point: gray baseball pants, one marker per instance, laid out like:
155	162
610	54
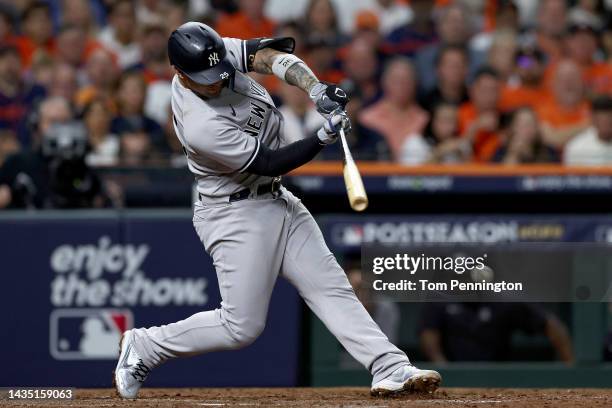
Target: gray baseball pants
251	242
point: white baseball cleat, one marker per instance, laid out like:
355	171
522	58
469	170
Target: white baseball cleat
407	379
131	371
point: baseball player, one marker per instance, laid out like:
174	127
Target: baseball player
252	227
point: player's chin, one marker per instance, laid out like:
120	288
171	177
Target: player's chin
208	91
211	91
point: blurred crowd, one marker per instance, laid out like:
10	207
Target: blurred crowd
445	81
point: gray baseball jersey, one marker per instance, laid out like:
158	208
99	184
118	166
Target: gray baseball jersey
222	135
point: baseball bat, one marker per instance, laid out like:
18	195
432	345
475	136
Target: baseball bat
352	179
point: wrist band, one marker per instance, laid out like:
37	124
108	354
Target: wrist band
283	62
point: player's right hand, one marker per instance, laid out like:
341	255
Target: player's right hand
328	98
329	131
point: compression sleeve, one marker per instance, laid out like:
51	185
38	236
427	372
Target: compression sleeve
274	163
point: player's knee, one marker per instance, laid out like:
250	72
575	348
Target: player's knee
244	326
248	333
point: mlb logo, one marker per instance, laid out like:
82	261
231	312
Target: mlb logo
350	235
87	334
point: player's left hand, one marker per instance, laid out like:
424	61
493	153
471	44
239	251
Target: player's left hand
329	131
328	98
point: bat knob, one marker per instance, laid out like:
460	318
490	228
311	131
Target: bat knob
360	204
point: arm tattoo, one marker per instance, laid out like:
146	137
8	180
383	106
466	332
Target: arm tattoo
262	63
298	74
302	77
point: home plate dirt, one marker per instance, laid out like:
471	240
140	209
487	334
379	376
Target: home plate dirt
331	397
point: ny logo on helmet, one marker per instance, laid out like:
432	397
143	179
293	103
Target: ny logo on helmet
213	59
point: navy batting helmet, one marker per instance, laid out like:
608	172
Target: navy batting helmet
198	51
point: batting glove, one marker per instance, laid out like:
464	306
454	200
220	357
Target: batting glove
328	98
329	131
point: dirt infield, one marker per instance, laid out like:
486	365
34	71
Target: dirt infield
332	397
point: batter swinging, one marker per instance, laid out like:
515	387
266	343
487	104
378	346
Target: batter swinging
252	227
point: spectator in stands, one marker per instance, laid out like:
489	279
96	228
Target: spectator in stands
479	118
582	46
361	66
104	144
551	25
301	119
589	12
52	110
507	15
566	113
7	25
175	14
408	39
451	75
37	32
440	143
505	19
397	114
73	46
150	12
120	34
366	144
524	142
454	29
248	22
65	82
483	331
41	71
367	29
17	97
79	13
323	38
526	87
157	72
321	22
225	6
100	75
593	146
502	53
140	136
392	14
